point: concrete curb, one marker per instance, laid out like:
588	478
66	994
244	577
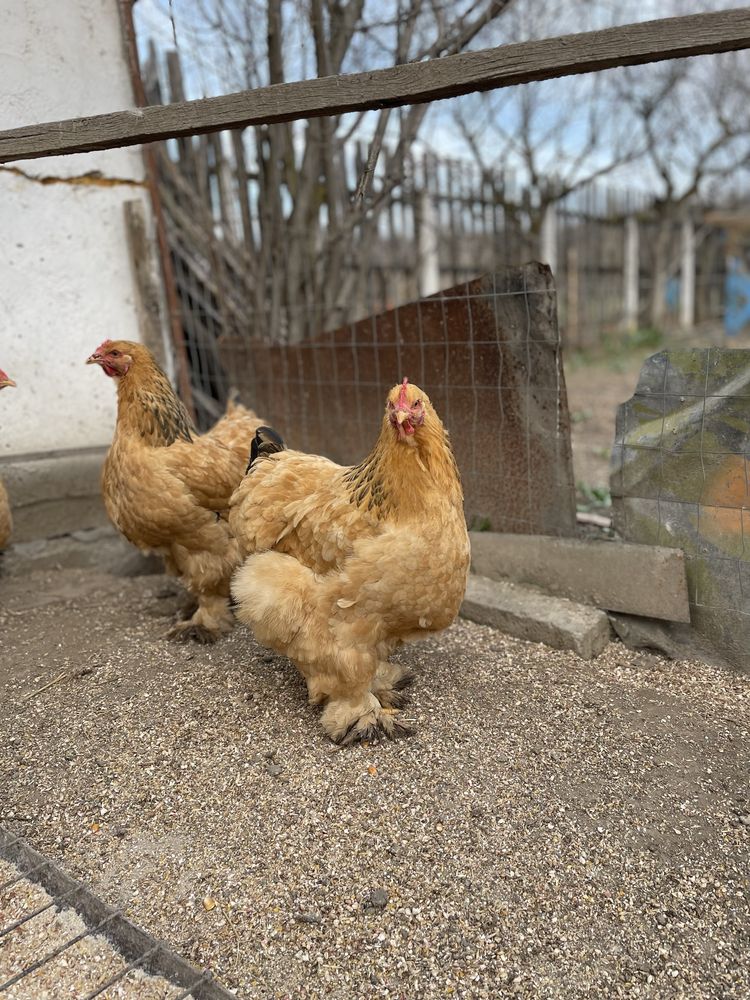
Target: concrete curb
529	613
645	580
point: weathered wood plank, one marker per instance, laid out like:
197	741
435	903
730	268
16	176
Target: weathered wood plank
411	83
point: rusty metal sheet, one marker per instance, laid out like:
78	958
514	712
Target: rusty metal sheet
488	354
680	478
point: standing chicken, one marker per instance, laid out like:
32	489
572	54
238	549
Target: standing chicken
165	486
345	564
6	521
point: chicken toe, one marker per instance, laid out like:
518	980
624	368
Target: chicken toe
389	684
350	722
209	621
186	631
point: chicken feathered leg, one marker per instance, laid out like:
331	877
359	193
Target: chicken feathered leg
340	649
344	564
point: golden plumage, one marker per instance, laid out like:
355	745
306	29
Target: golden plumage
6	519
344	564
165	486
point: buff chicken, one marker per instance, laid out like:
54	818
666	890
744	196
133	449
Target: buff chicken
167	488
342	565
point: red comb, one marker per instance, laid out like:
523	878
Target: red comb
402	401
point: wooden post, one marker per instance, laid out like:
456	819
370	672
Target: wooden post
687	284
548	249
630	275
408	83
429	246
182	362
572	321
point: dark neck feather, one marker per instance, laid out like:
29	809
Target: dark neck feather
148	407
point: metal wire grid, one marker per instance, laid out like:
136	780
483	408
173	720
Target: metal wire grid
487	353
139	950
688	448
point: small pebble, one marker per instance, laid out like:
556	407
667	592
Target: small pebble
377	899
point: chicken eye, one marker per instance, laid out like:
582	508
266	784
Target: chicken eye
418	403
114	354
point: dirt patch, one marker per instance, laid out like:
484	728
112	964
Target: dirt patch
555	828
595	390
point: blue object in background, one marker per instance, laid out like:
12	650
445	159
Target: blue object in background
737	298
672	294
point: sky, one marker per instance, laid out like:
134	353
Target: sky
561	126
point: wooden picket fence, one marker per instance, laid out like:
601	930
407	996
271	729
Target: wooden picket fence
442	221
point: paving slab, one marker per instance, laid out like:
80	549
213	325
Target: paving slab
677	640
645	580
54	494
102	548
529	613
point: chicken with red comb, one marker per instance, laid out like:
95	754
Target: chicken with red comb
6	520
167	488
343	565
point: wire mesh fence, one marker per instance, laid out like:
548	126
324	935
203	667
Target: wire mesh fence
487	352
58	938
268	245
681	478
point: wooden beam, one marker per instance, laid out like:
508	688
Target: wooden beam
728	219
412	83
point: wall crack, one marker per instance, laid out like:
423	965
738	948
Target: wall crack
94	178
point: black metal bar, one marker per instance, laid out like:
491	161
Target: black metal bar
131	941
11	841
35	913
12	881
205	978
122	973
58	951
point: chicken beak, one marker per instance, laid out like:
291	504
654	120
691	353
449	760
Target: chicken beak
402	415
95	359
7	382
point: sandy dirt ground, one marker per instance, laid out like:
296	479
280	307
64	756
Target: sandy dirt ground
79	969
554	829
595	389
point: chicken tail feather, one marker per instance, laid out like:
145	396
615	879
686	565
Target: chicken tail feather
266	442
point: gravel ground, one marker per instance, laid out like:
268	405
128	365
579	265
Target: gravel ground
555	828
78	970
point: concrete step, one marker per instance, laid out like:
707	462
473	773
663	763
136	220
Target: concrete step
645	580
529	613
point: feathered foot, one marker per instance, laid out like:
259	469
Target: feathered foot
346	722
210	621
187	605
190	630
389	684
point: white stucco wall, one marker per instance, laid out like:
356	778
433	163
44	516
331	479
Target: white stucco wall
66	281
